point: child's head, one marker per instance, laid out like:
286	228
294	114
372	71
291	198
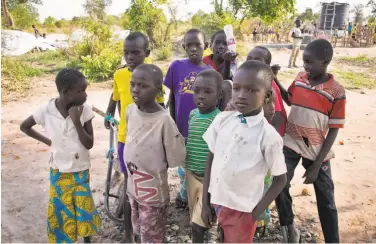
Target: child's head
298	23
207	90
317	56
219	44
261	54
146	83
136	49
33	26
251	86
269	107
194	45
71	85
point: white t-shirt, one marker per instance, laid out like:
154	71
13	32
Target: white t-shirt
67	154
243	153
298	33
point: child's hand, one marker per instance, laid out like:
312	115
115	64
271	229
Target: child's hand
230	56
207	215
230	106
312	173
75	113
275	68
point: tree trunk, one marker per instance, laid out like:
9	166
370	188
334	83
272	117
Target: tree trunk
6	13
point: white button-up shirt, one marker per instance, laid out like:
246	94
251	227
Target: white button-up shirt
244	149
67	154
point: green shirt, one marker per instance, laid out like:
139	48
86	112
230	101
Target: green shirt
197	149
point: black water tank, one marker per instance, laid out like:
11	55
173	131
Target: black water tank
340	18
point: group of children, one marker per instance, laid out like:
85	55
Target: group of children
226	135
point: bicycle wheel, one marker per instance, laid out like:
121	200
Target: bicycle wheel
119	202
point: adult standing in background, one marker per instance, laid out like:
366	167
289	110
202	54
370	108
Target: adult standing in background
296	43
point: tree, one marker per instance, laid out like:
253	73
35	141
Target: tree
266	10
8	5
358	12
309	16
24	15
96	8
146	16
372	4
49	21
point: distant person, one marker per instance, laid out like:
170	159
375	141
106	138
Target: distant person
349	29
67	121
354	32
318	104
153	145
296	43
254	33
44	35
179	79
36	32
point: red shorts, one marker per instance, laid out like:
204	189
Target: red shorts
238	227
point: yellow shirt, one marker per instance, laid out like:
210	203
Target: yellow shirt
122	93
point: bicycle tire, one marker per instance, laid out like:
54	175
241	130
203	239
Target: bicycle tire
119	202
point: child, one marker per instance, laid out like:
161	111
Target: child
153	145
279	120
223	61
179	79
207	89
296	43
243	147
67	121
320	100
254	33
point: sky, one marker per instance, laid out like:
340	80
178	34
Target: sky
67	9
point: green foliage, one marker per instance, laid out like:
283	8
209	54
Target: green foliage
96	8
164	52
147	17
24	15
212	23
309	16
112	20
356	80
49	21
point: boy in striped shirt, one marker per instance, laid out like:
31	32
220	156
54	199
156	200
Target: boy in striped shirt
207	90
317	112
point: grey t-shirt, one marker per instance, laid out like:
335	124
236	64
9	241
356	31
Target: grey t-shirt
153	145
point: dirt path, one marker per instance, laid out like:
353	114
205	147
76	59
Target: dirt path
25	173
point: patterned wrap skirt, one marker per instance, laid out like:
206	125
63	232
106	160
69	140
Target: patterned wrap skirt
71	208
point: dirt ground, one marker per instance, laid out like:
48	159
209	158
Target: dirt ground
25	181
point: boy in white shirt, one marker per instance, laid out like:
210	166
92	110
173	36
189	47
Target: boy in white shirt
67	122
297	39
243	147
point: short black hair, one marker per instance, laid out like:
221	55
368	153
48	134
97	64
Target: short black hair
212	73
322	49
135	35
67	78
195	31
154	71
268	54
261	67
215	34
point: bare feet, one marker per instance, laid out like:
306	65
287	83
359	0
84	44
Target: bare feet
295	66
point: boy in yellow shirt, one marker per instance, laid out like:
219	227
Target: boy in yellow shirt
136	49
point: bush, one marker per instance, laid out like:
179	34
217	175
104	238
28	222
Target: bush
15	72
164	52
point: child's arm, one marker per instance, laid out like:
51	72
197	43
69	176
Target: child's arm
174	144
85	132
284	93
26	127
169	83
171	105
207	214
278	120
312	172
227	94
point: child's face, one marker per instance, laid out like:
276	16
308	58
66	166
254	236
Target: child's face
256	54
194	46
312	64
249	91
143	87
135	53
269	108
205	94
219	45
77	94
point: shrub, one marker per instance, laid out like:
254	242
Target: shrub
164	52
